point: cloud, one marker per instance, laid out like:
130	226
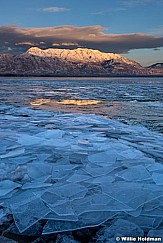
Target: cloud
134	3
55	9
110	10
139	3
66	44
28	43
128	4
71	37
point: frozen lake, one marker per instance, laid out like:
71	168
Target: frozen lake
130	100
64	165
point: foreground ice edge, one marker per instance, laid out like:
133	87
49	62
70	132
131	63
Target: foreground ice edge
77	170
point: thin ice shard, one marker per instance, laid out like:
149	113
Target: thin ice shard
52	198
30	185
7	186
63	209
55	217
143	222
157	234
158	178
13	153
49	134
85	220
68	190
135	173
78	178
101	179
58	142
131	154
155	167
38	170
103	158
28	214
131	194
64	167
28	140
96	171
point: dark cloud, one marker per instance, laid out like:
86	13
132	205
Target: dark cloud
17	40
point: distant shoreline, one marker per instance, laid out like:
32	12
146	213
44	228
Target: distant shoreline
81	76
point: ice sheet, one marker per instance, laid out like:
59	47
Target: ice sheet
77	170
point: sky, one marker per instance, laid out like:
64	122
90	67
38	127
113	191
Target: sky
132	28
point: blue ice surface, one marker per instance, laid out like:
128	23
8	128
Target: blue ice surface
76	174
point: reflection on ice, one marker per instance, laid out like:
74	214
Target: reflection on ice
39	102
79	173
79	102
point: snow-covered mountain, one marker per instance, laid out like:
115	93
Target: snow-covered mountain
83	55
64	62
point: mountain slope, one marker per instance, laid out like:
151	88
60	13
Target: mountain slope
158	65
78	62
79	55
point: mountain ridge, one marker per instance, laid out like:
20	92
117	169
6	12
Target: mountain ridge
78	55
77	62
156	65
